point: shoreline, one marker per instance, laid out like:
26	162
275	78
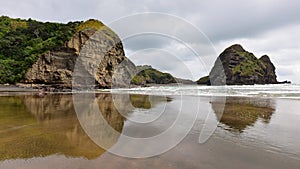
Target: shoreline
33	86
276	92
16	88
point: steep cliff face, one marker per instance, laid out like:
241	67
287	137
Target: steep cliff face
236	66
105	53
269	69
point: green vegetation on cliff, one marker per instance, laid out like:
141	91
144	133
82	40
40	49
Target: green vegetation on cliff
249	66
92	23
204	80
23	41
149	75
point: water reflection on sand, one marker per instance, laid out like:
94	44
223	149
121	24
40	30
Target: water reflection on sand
240	113
33	126
44	133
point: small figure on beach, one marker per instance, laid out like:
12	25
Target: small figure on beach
44	91
41	93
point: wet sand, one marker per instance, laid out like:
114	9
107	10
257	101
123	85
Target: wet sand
215	154
252	133
16	88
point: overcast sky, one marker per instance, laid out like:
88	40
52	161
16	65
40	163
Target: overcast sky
269	27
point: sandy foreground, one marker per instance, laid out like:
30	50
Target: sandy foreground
215	154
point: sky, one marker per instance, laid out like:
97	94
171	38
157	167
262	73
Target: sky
269	27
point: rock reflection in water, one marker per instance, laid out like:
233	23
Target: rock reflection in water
111	106
140	101
32	126
146	101
239	113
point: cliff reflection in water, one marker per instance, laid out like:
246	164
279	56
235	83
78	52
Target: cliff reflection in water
32	126
240	113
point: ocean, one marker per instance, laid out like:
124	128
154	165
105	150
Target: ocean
291	91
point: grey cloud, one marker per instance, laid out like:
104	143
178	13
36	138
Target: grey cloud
219	19
145	41
187	51
224	20
252	23
284	71
162	60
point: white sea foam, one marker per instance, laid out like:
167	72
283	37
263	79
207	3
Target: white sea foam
273	90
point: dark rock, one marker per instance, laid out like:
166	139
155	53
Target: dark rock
285	82
236	66
269	70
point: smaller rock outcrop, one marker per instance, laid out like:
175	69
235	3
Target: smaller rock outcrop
236	66
203	81
148	75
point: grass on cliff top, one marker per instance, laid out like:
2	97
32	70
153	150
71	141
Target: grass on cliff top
249	66
23	41
92	23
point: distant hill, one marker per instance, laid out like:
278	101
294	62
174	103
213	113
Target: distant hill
149	75
236	66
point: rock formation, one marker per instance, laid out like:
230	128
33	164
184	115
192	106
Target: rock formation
148	75
236	66
269	70
103	50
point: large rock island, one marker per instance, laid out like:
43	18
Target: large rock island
34	52
236	66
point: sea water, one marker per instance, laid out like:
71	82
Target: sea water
268	91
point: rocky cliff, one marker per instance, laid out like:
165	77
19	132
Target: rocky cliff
105	53
236	66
